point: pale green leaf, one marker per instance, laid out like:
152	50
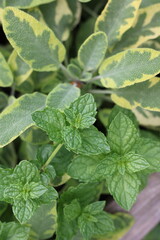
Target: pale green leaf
32	40
51	121
62	96
129	67
72	138
122	134
6	77
26	3
146	3
92	51
36	190
116	18
124	189
16	118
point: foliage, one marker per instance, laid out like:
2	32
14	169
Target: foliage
77	81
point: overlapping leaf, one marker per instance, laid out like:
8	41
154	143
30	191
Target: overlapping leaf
26	3
6	77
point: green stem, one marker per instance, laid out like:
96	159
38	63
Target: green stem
96	91
52	156
90	11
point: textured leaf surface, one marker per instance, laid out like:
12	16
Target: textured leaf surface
16	118
51	121
72	138
92	51
124	189
20	69
146	27
144	95
35	43
122	134
6	77
72	210
116	18
62	96
26	3
129	67
146	3
43	227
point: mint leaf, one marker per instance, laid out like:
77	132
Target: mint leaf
81	113
23	210
93	142
26	172
124	188
72	210
49	196
94	222
51	121
135	162
84	168
72	138
36	190
122	134
14	191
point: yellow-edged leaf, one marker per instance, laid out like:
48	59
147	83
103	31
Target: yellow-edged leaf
146	27
145	95
116	18
6	77
26	3
16	118
129	67
21	70
36	44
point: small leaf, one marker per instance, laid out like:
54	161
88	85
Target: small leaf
129	67
122	134
72	138
16	118
92	51
23	210
82	112
72	210
124	189
6	77
25	33
51	121
62	96
36	190
116	18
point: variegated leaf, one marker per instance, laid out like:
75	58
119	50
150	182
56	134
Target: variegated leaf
21	70
129	67
116	18
92	51
26	3
146	27
16	118
145	95
6	77
146	3
32	40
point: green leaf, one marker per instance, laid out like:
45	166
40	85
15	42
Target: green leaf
119	70
3	100
124	189
6	77
146	27
72	138
72	210
122	134
51	121
24	33
26	3
16	118
36	190
150	150
85	168
49	196
21	70
95	222
62	96
14	231
81	112
144	95
23	210
117	18
146	3
43	227
92	51
14	191
26	172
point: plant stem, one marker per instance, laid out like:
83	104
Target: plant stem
52	156
89	11
96	91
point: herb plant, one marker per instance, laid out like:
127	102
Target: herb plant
78	79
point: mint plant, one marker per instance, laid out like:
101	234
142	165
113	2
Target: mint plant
78	80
